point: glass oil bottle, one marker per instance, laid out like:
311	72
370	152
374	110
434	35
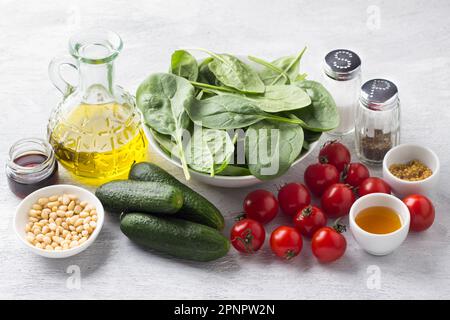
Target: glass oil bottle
96	130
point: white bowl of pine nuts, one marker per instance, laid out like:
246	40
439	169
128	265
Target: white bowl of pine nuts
59	221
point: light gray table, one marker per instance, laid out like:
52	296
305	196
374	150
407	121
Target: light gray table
407	42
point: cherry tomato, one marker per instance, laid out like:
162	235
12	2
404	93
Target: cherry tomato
247	235
309	220
318	177
337	200
293	197
421	210
373	185
261	205
286	242
355	173
335	153
328	244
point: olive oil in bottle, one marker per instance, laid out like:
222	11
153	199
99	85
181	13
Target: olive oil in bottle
96	130
99	143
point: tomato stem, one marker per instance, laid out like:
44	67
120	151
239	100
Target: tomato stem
344	172
289	254
306	212
329	142
247	241
340	228
240	216
323	159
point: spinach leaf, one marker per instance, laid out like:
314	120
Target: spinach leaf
270	66
321	114
280	98
234	73
211	88
311	136
290	66
183	64
301	77
306	145
275	99
233	170
229	111
165	142
271	148
163	98
209	150
204	74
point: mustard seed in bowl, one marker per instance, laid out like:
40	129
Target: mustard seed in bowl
413	170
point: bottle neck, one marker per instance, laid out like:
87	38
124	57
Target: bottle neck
96	82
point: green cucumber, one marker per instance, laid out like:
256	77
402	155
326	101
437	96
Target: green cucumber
126	195
195	207
176	237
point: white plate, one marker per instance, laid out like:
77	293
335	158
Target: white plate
219	181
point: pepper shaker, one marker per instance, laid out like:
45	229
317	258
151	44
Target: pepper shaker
342	78
377	125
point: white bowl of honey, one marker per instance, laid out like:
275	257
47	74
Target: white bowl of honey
379	223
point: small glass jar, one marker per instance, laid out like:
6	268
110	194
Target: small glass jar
377	125
31	165
342	78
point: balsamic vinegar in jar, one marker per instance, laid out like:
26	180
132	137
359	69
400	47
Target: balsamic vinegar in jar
31	166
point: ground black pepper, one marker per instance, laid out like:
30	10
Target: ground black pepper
376	147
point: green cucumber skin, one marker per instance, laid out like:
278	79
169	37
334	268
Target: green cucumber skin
177	237
125	195
195	208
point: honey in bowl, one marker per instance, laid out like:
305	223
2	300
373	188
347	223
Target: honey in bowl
378	220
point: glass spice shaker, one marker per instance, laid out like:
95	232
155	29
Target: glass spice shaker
31	165
377	125
342	78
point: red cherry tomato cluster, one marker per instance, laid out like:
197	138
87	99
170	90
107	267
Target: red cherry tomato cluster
294	199
337	181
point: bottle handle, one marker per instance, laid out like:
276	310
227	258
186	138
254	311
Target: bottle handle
54	72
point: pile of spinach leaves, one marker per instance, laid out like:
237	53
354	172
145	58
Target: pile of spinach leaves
241	111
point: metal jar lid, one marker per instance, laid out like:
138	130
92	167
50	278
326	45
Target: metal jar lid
379	95
342	64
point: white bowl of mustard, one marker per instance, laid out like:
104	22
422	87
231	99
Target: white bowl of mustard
376	243
403	154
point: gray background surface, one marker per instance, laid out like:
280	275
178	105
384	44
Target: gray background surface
407	42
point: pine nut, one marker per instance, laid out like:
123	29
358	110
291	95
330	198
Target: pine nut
43	201
65	200
60	222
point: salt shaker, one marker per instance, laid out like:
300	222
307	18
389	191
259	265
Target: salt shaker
377	125
342	78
